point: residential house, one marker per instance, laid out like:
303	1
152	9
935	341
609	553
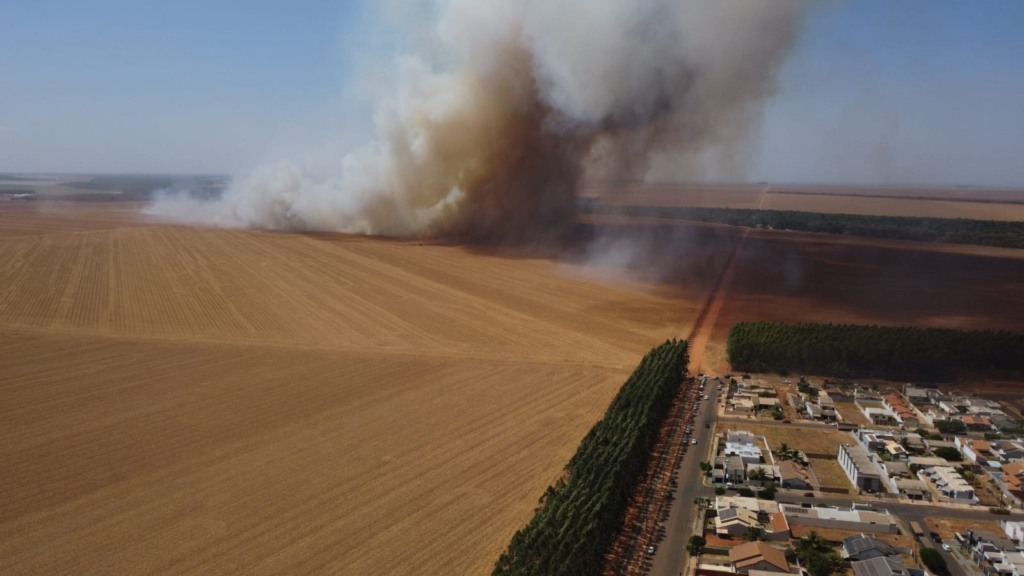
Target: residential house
976	423
1009	449
975	451
771	474
793	475
735	522
918	462
936	444
748	453
1002	563
982	543
735	470
1012	479
740	437
914	443
757	556
916	395
949	483
862	547
1014	530
905	415
913	489
896	469
879	566
1003	422
860	468
862	520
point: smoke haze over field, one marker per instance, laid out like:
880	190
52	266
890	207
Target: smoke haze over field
509	104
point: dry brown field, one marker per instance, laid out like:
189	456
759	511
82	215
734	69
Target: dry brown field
188	401
895	206
851	414
812	440
830	474
972	203
947	527
836	535
670	195
789	276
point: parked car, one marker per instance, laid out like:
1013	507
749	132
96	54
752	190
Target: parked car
650	550
809	494
947	548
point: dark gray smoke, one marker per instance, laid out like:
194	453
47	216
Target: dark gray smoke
488	138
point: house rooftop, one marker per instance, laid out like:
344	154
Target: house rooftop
880	566
751	553
853	545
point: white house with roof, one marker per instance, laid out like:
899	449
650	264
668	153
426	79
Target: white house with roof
949	483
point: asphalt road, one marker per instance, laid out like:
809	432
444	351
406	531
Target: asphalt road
670	557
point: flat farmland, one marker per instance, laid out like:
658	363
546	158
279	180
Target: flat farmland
927	207
190	401
790	277
972	203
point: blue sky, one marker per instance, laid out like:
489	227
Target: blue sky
915	91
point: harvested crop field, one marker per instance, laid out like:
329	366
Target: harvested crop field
192	401
789	276
894	206
978	204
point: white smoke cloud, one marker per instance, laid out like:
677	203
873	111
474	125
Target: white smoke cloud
505	104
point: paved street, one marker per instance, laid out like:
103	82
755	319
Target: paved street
670	558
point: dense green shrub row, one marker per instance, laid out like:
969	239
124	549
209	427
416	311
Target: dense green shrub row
853	351
952	230
580	516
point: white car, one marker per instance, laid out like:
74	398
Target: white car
694	441
946	547
650	549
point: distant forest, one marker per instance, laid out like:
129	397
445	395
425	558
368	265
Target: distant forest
581	514
857	351
951	230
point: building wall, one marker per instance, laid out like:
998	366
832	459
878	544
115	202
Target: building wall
867	482
843	525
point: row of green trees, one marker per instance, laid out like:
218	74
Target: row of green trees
952	230
581	514
859	351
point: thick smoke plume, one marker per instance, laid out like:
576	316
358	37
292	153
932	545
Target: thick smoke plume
489	134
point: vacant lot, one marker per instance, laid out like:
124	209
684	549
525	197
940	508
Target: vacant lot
851	413
812	440
836	536
830	474
947	527
196	401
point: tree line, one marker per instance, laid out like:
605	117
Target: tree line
950	230
860	351
580	515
